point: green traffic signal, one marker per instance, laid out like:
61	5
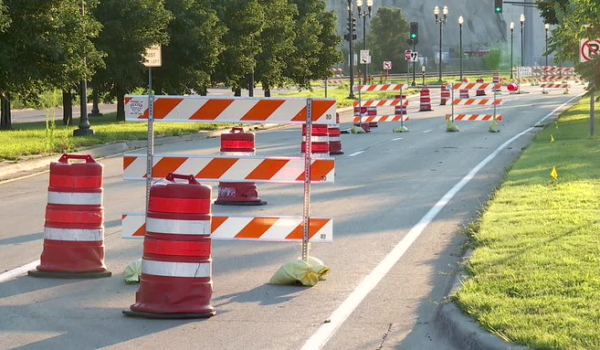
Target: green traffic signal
498	9
413	35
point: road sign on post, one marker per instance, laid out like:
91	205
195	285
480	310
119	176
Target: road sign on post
364	57
387	65
407	54
153	56
414	56
588	49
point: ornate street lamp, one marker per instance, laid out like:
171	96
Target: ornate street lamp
440	20
84	123
364	15
512	35
351	48
522	18
460	25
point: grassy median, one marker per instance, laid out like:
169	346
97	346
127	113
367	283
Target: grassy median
46	138
534	277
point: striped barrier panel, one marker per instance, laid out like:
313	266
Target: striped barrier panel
229	110
230	169
270	229
558	69
380	118
476	86
477	117
382	87
476	102
379	103
555	86
337	76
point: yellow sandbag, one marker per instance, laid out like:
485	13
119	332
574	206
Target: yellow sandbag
300	272
133	272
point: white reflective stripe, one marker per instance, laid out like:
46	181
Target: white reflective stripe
335	139
175	269
76	235
238	154
317	138
75	198
178	227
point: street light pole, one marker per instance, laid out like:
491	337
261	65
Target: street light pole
364	14
546	27
522	39
84	123
512	35
440	20
460	25
351	95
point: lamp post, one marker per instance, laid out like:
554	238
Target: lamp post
460	25
440	20
546	27
84	123
512	35
364	15
351	48
522	19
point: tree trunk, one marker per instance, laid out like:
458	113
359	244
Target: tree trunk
5	117
267	91
203	91
237	92
67	101
120	104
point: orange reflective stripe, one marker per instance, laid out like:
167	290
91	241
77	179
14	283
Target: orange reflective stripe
127	161
216	168
256	228
267	169
211	109
314	226
162	107
166	166
263	109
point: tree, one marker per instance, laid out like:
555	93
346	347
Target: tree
388	36
244	20
191	56
548	9
277	44
129	28
37	51
316	43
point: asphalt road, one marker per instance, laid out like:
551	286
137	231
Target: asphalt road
398	204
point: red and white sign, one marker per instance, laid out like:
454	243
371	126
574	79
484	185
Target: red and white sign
588	49
387	65
407	54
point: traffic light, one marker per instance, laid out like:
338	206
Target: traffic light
351	29
498	6
414	32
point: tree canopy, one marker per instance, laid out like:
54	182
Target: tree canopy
387	37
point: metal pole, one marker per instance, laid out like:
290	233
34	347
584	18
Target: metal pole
307	165
150	150
351	95
414	65
522	45
84	123
251	85
365	45
326	79
440	63
592	111
461	51
512	34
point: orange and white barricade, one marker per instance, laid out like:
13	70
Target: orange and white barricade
369	111
74	226
450	118
223	168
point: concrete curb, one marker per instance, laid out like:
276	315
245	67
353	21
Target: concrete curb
38	164
462	330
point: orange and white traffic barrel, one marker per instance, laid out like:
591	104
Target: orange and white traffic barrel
74	226
401	109
425	100
480	92
445	95
372	112
319	140
464	93
335	137
237	143
176	279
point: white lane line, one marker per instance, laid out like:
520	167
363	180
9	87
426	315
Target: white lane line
396	139
426	131
18	271
319	339
355	153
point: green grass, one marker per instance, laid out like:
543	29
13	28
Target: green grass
39	138
534	277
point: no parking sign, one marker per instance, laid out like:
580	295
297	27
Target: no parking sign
588	49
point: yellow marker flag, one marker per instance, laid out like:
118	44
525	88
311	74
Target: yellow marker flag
551	138
554	174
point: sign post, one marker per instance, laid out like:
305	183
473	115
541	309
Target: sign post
152	58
